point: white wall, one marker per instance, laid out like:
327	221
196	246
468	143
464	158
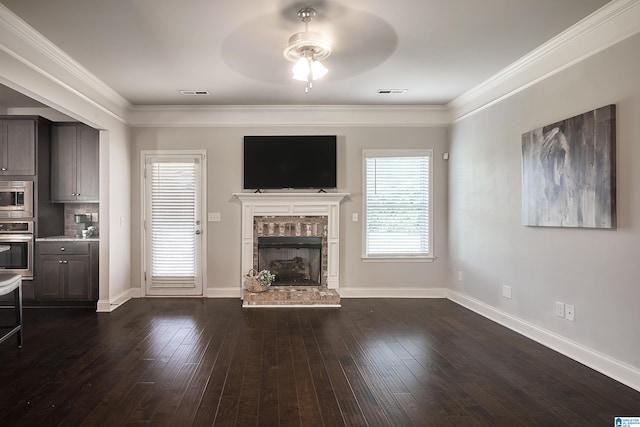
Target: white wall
224	147
598	271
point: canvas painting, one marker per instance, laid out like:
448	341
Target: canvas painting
568	172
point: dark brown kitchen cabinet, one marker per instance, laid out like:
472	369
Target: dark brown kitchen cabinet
66	271
75	163
17	146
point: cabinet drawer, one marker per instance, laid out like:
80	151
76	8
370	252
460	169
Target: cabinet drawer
62	248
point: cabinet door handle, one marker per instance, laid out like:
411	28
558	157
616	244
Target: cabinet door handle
62	248
3	169
60	262
65	262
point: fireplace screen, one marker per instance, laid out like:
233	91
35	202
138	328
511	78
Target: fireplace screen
296	261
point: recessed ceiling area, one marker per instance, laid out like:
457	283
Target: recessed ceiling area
150	50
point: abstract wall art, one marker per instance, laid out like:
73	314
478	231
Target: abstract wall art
569	173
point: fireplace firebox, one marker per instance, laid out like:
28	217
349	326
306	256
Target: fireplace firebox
296	261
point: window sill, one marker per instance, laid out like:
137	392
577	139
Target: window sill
398	259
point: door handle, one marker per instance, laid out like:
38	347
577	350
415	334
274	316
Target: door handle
198	232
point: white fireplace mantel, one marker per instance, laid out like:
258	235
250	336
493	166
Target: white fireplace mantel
294	204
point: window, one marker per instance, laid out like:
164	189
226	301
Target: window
397	203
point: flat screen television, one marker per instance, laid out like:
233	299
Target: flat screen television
290	161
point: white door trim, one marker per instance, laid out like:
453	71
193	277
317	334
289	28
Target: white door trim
144	154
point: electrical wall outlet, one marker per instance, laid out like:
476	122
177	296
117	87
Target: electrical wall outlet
570	312
559	309
506	291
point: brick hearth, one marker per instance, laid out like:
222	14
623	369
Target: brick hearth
279	296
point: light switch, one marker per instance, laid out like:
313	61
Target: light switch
214	217
354	217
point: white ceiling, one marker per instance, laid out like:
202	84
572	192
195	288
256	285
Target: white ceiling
149	50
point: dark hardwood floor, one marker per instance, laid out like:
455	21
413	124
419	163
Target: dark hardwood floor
375	362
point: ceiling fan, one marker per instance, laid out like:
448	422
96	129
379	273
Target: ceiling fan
307	49
349	41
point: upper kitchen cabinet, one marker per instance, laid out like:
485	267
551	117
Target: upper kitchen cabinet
18	137
75	163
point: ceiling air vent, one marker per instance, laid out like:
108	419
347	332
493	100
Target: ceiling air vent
194	92
392	91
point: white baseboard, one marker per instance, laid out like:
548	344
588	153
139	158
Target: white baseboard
234	292
103	307
115	302
391	292
602	363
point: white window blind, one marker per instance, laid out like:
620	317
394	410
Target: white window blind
397	198
173	222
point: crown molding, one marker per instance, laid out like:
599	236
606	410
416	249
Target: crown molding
614	22
24	43
290	115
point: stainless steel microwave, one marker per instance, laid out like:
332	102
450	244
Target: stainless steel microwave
16	199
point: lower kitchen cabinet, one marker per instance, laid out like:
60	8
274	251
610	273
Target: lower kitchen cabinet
66	271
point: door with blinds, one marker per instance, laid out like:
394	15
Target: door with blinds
173	225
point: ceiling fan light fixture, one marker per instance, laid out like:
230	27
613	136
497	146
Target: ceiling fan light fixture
307	69
301	69
307	49
318	70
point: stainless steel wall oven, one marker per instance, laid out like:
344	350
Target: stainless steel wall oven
16	247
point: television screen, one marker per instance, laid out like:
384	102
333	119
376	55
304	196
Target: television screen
302	161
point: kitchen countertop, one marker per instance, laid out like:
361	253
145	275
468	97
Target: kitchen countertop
67	239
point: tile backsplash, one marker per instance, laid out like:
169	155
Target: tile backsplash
71	209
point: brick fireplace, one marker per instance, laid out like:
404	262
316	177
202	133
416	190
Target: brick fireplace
303	223
294	248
